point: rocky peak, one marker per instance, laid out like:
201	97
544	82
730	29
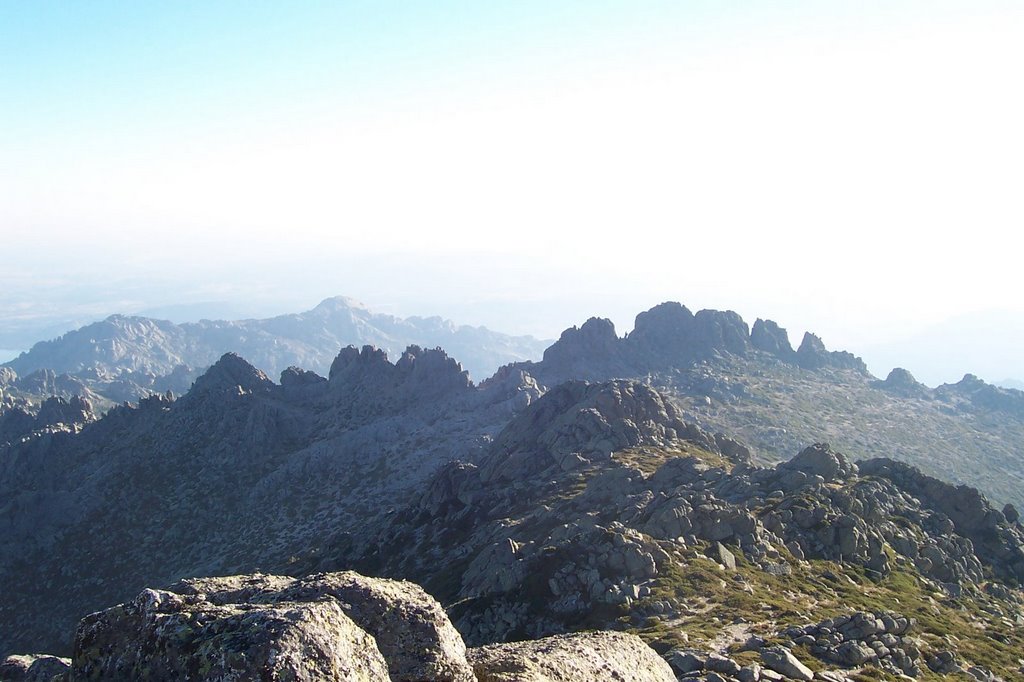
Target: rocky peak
338	303
419	373
296	376
821	460
577	422
42	381
664	332
57	410
594	341
985	396
513	386
431	370
718	330
353	360
231	374
901	382
771	338
812	354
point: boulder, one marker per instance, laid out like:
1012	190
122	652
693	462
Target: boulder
567	658
782	661
821	460
411	629
165	636
685	661
719	553
34	668
722	664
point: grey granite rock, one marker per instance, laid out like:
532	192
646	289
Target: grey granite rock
568	658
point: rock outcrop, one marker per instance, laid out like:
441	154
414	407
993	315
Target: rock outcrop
418	374
341	626
821	460
993	537
591	351
568	658
669	338
231	374
34	668
771	338
882	639
812	354
54	414
902	383
983	396
165	636
663	336
576	423
539	558
410	628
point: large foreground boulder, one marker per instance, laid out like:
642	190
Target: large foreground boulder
408	625
165	636
566	658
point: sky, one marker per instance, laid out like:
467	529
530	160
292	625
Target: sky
850	168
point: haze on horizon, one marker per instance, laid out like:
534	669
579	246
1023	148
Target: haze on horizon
850	170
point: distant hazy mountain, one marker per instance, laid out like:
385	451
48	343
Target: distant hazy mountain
131	345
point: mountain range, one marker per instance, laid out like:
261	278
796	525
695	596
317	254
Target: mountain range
128	357
674	482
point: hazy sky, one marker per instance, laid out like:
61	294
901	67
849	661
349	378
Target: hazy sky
854	168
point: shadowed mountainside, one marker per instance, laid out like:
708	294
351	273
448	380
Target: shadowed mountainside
238	474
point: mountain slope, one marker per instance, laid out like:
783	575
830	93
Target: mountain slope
592	505
530	508
750	382
238	474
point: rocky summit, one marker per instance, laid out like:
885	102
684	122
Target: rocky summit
694	501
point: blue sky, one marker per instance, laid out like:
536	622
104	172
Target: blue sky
851	168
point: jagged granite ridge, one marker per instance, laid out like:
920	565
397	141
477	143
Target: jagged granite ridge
750	382
239	473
